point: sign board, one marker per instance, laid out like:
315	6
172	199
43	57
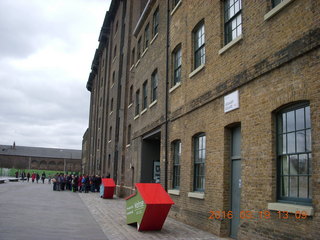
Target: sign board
135	209
231	101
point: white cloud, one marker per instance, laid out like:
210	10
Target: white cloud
46	52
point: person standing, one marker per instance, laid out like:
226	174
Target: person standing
23	175
28	176
33	177
37	177
43	177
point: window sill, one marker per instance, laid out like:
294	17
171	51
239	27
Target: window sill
128	145
136	117
198	69
109	141
176	7
230	44
130	105
174	87
153	103
144	52
276	9
198	195
131	67
290	208
137	63
174	192
110	113
143	111
154	38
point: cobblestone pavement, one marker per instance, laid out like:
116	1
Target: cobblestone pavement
110	215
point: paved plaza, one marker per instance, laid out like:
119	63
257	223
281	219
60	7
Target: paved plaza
34	211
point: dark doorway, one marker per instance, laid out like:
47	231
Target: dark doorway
235	179
150	158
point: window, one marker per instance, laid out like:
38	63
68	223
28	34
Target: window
155	22
113	77
177	65
116	30
110	133
139	49
145	95
154	86
111	105
129	135
176	146
199	45
115	51
131	95
232	19
146	37
294	154
276	2
199	144
137	102
132	56
175	3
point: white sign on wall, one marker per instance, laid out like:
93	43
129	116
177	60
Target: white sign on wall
231	101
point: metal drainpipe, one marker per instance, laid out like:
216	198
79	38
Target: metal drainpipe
167	99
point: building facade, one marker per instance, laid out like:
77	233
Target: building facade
22	157
219	102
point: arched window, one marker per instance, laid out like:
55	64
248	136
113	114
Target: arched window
294	153
199	148
176	155
199	45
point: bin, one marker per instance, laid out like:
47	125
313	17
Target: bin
107	188
148	207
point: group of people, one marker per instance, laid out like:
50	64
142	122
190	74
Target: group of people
82	183
34	176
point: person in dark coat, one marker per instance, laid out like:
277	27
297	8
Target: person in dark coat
43	177
37	177
28	176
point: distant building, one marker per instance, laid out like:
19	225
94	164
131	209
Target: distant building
21	157
219	102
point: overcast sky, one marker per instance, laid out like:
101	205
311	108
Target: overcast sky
46	51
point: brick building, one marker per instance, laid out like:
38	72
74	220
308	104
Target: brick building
55	159
218	101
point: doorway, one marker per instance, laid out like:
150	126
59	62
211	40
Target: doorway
150	158
236	183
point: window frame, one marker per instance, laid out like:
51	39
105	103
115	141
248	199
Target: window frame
111	105
129	134
199	60
176	163
131	94
229	20
139	49
175	3
155	22
154	85
137	106
275	3
133	56
145	95
289	155
198	164
146	37
110	133
175	66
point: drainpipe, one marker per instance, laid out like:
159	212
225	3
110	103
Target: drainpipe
167	99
